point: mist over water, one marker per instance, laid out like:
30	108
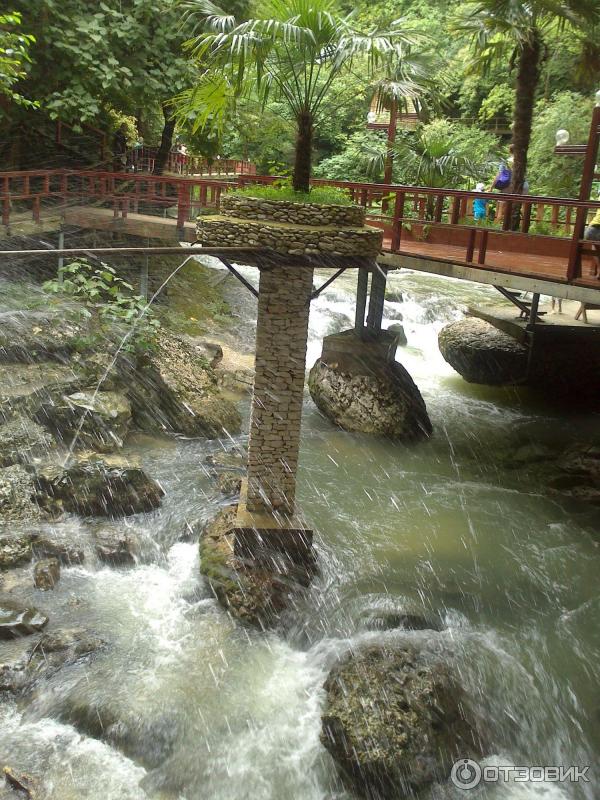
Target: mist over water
195	706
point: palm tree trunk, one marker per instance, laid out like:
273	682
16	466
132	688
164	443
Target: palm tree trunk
166	142
303	159
528	76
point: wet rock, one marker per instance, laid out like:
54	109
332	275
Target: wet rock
398	329
527	454
148	739
255	593
28	336
233	459
25	661
100	488
211	352
394	722
394	295
577	475
22	440
46	574
77	640
229	483
56	545
385	402
382	620
22	785
18	495
116	547
15	655
99	420
15	549
177	390
483	354
25	387
18	620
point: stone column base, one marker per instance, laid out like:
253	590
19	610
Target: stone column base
265	536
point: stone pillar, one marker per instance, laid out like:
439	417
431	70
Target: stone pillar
281	335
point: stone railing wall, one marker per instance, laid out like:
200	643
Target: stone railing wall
297	241
292	213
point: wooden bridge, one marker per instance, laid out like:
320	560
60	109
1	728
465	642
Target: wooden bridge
425	229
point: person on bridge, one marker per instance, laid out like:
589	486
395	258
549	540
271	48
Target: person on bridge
480	204
592	234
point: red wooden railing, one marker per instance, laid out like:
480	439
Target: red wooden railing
427	223
142	159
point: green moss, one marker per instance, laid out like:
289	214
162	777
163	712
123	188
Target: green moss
193	302
321	195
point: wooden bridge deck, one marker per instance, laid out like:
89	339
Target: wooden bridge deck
429	229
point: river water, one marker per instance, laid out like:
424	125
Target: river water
202	708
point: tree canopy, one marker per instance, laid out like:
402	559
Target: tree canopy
246	87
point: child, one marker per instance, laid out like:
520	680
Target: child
480	204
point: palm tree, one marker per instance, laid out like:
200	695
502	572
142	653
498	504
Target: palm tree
514	30
294	50
432	155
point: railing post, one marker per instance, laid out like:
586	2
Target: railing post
471	245
483	247
397	222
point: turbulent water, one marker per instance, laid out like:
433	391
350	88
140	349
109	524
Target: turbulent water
204	708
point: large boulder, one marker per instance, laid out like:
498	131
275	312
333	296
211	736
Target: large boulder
176	389
22	440
17	495
483	354
18	620
382	399
99	420
106	487
394	721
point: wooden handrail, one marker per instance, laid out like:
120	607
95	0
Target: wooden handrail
125	192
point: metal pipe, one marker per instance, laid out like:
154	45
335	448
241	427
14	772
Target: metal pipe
159	251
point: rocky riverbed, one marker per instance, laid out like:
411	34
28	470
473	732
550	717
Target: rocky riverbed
454	604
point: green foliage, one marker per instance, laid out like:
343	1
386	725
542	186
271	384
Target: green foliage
558	176
293	51
499	102
283	190
106	300
14	57
351	164
442	153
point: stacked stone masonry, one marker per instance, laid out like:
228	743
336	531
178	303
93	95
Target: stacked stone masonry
218	231
254	208
282	329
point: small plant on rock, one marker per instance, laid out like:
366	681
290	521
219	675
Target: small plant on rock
106	301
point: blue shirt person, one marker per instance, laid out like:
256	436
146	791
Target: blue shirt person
480	204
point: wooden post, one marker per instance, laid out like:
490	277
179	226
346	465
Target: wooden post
361	301
589	168
376	300
397	225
